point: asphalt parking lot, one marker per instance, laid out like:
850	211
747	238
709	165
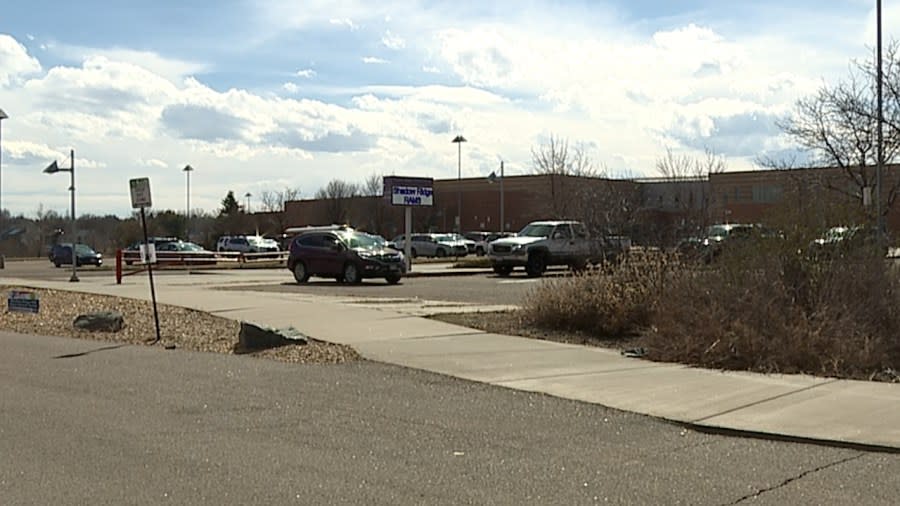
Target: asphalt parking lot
480	288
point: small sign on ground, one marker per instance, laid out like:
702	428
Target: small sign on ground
21	301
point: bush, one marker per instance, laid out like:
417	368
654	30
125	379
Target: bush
770	308
767	307
613	300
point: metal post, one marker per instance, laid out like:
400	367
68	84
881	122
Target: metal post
502	217
879	163
459	188
74	277
187	208
407	243
458	140
3	116
150	273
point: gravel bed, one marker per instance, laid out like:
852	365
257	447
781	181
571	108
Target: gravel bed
179	327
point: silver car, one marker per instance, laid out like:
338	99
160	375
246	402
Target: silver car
432	245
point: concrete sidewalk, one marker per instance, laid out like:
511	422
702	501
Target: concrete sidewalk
791	406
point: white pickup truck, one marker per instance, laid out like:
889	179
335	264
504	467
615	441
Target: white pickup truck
544	243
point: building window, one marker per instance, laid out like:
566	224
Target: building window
763	194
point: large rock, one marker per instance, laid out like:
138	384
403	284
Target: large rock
101	321
254	337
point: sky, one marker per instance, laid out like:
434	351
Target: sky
262	95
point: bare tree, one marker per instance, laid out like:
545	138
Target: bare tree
273	201
373	185
838	126
337	194
555	159
688	186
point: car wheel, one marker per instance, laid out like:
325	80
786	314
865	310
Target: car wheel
57	264
536	265
503	270
351	274
392	279
412	253
440	253
300	272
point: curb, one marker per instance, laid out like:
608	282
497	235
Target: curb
448	273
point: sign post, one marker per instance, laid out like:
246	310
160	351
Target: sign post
140	198
409	192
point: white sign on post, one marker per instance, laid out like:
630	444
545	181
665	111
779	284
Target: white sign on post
140	192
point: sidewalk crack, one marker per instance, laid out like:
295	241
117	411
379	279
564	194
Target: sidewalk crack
792	479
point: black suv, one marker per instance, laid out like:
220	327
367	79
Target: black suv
348	256
61	254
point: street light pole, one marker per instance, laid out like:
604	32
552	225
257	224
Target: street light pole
879	163
458	140
502	217
187	207
248	195
3	116
52	169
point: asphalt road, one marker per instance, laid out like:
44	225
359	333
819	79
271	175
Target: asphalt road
484	288
91	423
477	288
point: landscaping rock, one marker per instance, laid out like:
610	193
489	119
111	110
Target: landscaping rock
101	321
254	337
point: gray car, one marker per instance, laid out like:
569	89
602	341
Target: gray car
432	245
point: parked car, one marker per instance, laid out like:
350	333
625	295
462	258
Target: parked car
482	239
247	244
432	245
842	241
544	243
132	251
346	255
61	254
468	243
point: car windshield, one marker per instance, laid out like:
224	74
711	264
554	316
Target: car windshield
189	246
445	238
536	230
357	240
83	249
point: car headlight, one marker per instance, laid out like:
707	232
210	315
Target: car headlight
365	254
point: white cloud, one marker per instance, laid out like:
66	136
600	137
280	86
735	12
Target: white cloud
169	68
392	41
345	22
290	87
431	70
373	60
153	163
307	73
15	62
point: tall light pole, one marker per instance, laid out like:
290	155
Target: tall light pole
247	195
3	116
492	178
53	168
458	140
187	206
879	163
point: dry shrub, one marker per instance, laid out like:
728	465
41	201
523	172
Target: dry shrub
764	307
613	300
769	308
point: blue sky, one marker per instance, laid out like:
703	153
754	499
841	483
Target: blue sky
267	94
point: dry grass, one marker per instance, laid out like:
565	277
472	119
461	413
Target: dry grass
767	308
179	327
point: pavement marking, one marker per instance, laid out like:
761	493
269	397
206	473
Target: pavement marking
512	281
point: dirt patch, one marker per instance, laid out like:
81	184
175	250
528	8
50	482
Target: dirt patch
179	327
511	323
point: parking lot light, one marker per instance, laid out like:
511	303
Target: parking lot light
53	168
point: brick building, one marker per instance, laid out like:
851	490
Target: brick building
650	210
